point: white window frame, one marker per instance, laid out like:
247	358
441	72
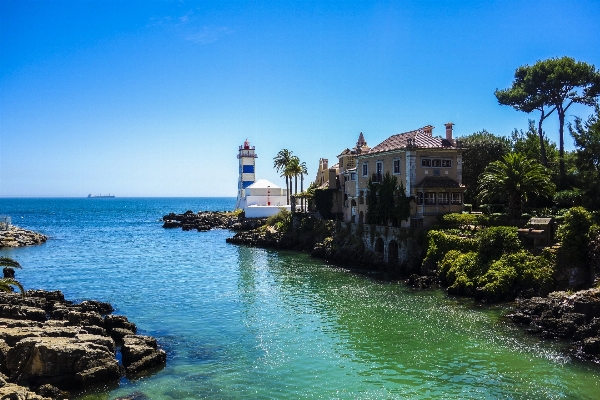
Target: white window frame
443	198
365	169
396	163
456	198
379	170
429	198
352	176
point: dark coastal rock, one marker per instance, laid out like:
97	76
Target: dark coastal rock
18	237
12	391
203	221
112	322
64	362
134	396
50	391
46	340
567	316
422	281
141	352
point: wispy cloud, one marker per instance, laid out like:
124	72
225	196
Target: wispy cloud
209	34
189	27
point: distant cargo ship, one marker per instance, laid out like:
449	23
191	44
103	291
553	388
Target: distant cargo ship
100	196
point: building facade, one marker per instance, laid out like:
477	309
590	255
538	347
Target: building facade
430	169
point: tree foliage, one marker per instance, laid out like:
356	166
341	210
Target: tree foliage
553	83
528	144
280	163
8	284
587	156
514	178
324	202
482	148
387	201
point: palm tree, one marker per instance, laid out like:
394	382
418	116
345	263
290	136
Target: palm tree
294	169
7	284
516	178
280	163
303	171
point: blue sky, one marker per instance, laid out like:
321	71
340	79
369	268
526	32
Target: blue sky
153	98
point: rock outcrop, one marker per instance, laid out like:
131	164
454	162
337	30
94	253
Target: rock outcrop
52	344
18	237
564	315
207	220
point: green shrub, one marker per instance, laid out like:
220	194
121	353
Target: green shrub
282	221
499	279
462	221
456	264
512	273
439	243
574	235
568	198
496	241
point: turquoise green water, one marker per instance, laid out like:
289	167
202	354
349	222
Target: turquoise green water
244	323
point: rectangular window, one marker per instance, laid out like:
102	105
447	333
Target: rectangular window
352	176
396	166
429	198
447	163
443	198
420	198
425	162
436	163
456	198
365	168
379	171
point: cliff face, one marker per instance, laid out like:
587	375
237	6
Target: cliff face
50	343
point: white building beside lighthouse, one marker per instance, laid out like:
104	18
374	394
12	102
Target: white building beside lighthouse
257	198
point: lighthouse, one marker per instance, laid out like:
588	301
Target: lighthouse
246	156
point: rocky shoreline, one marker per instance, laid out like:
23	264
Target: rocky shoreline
49	345
564	315
19	237
206	220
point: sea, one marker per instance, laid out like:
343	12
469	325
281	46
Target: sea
241	322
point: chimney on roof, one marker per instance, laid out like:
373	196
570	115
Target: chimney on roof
428	129
449	132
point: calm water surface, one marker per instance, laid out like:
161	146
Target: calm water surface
241	322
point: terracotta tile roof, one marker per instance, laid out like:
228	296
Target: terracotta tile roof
419	138
437	182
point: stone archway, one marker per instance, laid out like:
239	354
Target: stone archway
379	246
392	252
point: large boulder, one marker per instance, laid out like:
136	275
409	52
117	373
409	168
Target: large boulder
64	362
141	352
11	391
